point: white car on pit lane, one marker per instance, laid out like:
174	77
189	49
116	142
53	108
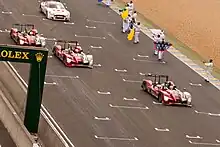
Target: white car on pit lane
54	10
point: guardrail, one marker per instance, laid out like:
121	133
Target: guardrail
47	116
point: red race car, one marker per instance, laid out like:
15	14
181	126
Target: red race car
165	91
71	54
26	34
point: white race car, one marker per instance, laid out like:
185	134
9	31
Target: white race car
54	10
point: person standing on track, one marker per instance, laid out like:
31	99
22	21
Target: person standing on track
130	7
208	67
157	40
137	30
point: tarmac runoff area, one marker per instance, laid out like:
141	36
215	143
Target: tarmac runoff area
104	106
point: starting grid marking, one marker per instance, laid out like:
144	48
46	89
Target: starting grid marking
199	70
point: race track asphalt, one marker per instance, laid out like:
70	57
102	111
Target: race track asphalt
5	139
75	102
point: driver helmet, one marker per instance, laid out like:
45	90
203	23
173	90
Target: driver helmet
78	49
34	32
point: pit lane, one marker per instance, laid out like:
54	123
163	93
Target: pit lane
75	102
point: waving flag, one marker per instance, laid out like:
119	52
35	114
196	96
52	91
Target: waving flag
124	14
131	35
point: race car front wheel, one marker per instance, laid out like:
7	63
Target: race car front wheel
160	98
143	86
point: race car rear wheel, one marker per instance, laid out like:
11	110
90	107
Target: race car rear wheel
143	86
160	98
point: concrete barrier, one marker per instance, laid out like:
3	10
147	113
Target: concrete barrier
16	89
13	123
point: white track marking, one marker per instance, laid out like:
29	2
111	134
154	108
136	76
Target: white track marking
157	103
56	76
162	130
91	27
208	113
99	47
69	23
192	84
4	31
97	65
157	62
6	12
218	141
142	74
51	39
203	143
50	57
104	22
130	99
127	107
194	137
143	56
104	93
114	138
121	70
110	35
94	37
131	81
31	15
102	118
48	83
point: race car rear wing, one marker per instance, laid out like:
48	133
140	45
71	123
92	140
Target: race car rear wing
157	77
67	41
24	25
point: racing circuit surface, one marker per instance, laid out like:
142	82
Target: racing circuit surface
112	117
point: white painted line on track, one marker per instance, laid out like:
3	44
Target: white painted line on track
157	62
104	93
90	27
114	138
131	81
127	107
56	76
29	15
69	23
97	65
130	99
194	137
113	37
162	130
6	12
93	37
103	22
51	39
48	83
218	141
120	70
102	118
193	84
95	47
204	143
4	31
50	57
207	113
157	103
143	56
142	74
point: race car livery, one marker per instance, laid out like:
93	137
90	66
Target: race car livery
54	10
165	91
71	54
27	34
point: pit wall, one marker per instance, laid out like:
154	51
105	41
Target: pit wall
195	23
15	93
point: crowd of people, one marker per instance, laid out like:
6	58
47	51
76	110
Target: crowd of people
132	27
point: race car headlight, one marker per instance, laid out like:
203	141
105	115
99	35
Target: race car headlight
166	98
21	41
68	60
189	100
51	12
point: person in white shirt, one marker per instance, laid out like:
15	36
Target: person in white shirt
130	7
208	67
137	30
126	24
135	15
